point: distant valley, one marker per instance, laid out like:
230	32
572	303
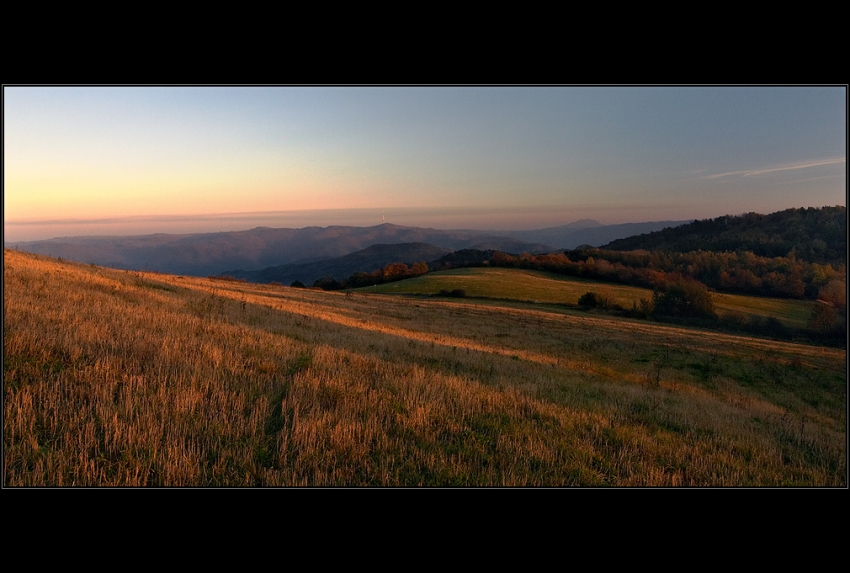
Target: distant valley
370	258
205	254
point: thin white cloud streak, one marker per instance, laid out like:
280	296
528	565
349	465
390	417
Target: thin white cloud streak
817	178
787	167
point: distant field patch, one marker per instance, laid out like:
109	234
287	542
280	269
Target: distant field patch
512	284
793	313
542	287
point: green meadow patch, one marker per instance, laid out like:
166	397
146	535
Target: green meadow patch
550	288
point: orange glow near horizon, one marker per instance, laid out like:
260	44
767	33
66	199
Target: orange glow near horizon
508	158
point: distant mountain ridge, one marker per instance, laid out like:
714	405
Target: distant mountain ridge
367	260
203	254
212	253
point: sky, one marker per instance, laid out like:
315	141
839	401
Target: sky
136	160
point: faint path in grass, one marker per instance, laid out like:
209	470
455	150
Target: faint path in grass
321	306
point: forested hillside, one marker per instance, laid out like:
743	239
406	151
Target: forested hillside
340	268
810	234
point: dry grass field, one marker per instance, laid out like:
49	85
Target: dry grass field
116	378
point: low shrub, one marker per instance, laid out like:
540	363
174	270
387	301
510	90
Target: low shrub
684	298
456	293
588	300
595	300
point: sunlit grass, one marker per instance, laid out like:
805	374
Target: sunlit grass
123	378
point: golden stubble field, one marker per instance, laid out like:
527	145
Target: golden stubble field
116	378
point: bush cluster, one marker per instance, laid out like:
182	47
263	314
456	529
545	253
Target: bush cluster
457	293
684	298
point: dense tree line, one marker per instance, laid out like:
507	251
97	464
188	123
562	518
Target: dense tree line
741	272
809	234
390	273
735	272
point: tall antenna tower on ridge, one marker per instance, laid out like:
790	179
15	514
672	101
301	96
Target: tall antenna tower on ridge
382	218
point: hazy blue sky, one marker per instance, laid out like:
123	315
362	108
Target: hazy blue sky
188	158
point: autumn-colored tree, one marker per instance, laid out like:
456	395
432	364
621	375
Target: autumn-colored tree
685	298
396	270
835	293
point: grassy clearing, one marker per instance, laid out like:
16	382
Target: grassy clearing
793	313
541	287
121	378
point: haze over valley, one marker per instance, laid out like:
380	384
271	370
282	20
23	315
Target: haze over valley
213	253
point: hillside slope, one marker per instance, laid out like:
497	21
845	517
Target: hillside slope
367	260
115	378
814	235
